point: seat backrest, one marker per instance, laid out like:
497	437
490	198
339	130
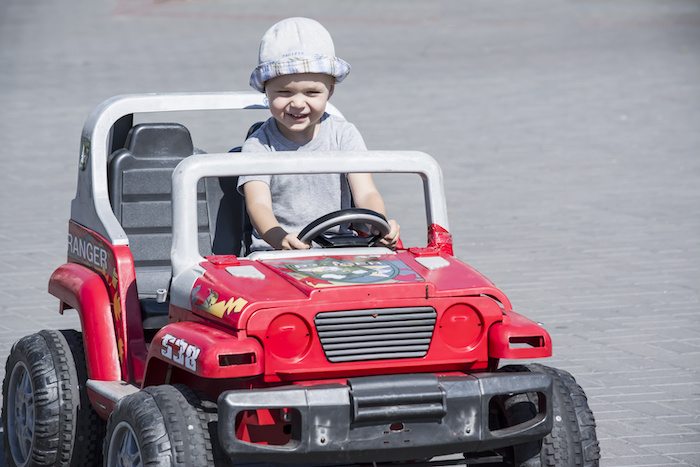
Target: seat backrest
229	221
140	193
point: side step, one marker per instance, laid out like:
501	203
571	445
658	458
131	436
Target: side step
104	395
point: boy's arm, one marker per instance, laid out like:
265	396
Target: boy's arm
258	201
366	196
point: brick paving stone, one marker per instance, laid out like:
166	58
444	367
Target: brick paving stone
567	132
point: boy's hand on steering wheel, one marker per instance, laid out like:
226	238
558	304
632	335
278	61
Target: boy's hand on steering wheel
391	239
291	242
281	240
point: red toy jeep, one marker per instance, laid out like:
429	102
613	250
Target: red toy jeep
198	353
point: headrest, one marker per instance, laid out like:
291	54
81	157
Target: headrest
159	140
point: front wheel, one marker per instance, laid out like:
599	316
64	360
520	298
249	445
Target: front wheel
573	439
156	426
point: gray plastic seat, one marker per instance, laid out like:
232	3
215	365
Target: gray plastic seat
140	193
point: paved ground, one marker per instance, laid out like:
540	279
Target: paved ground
568	133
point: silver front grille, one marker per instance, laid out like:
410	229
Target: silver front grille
387	333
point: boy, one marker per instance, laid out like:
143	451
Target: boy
297	70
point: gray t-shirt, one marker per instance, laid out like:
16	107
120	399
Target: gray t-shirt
300	199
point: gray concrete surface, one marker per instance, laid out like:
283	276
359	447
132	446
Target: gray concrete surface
569	133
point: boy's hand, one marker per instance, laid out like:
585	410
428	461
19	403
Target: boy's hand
391	239
281	240
291	242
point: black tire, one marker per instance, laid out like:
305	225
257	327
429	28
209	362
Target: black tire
89	427
47	417
208	413
156	426
572	441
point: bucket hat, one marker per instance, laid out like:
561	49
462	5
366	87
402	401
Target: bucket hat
297	45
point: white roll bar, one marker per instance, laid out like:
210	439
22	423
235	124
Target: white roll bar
185	251
91	207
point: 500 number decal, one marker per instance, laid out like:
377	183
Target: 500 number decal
179	351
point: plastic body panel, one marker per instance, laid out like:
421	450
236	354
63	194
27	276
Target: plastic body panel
112	270
206	352
517	337
80	288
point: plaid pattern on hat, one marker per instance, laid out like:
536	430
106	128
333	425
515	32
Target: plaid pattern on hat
333	66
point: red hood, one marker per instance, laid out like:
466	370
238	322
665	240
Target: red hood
233	289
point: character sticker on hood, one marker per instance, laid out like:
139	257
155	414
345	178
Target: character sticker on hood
331	272
208	300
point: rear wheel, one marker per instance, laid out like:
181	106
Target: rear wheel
572	441
47	417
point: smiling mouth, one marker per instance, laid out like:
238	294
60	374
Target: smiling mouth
298	117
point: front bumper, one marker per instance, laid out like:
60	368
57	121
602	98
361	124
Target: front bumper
386	418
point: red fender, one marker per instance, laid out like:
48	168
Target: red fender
80	288
517	337
206	352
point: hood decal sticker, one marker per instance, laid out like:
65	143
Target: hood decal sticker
334	272
209	301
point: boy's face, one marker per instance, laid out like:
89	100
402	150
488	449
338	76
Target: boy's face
297	102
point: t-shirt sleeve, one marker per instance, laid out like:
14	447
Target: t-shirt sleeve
243	179
351	139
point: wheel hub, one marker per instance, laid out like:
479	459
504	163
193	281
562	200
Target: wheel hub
124	448
20	423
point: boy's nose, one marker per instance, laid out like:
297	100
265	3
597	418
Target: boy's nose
298	100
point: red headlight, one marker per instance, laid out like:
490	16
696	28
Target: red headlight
288	336
460	326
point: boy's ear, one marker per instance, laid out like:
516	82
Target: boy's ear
331	89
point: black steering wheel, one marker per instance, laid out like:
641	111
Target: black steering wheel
317	229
